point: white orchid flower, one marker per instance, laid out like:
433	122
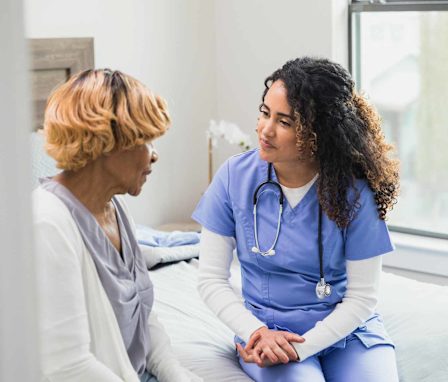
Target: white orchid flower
230	132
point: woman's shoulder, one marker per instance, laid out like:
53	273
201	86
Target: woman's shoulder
53	220
48	208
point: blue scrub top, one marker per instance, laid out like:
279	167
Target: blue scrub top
280	290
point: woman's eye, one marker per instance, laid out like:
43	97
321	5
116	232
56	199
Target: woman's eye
264	113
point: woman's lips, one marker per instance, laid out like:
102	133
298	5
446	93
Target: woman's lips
266	145
147	172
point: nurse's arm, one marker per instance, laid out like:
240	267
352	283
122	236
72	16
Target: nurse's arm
216	255
357	306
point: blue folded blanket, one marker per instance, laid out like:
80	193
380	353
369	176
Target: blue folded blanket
154	238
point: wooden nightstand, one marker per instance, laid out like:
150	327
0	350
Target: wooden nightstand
190	226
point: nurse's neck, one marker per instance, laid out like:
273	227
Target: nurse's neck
295	174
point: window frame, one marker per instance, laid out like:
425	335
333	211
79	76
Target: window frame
354	61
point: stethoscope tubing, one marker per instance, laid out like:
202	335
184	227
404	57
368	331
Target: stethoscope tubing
323	289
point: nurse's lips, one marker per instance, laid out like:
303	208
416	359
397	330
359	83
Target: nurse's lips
147	172
266	145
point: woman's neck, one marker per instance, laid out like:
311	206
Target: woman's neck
295	174
90	186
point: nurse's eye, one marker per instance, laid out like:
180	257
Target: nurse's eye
264	111
285	123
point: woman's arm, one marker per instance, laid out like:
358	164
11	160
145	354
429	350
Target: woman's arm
358	305
64	326
162	362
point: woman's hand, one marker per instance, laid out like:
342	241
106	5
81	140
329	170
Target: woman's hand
270	347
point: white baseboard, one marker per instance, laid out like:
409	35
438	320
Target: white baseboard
424	277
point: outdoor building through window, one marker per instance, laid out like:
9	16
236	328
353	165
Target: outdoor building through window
399	58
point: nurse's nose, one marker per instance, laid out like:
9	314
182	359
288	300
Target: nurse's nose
267	127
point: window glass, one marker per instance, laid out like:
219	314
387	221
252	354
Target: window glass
400	60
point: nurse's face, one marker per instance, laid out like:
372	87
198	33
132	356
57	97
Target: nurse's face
276	128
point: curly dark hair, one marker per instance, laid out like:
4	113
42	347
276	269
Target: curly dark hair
344	133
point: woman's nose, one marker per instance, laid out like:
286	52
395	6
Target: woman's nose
154	156
152	153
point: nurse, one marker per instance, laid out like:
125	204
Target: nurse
305	212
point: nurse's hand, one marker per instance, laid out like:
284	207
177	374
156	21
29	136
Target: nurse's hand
248	357
270	346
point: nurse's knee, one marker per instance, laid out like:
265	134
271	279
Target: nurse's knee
309	371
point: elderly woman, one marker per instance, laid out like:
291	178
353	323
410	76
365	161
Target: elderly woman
95	294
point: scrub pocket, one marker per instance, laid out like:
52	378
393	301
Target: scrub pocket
373	333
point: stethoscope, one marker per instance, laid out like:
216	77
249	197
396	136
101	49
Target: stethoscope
323	289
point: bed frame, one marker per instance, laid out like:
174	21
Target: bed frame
53	61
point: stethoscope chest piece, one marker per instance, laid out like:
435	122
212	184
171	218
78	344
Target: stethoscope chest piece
269	252
323	289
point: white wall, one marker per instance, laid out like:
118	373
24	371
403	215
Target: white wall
166	44
18	328
255	38
208	58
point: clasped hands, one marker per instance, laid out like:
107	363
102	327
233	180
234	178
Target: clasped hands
268	347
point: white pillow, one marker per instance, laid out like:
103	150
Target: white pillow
416	317
158	255
42	165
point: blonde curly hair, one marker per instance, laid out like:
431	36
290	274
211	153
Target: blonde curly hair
98	111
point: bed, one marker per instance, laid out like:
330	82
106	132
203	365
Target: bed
415	314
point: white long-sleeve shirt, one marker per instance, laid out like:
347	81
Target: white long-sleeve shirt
80	337
358	304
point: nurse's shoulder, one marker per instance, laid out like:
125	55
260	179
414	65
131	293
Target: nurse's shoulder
364	199
244	172
245	161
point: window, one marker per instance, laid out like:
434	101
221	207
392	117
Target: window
399	58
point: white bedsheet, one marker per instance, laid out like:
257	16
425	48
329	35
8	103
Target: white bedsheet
415	316
201	341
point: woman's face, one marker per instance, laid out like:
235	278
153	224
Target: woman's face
276	127
130	168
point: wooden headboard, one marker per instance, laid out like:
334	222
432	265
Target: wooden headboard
53	61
